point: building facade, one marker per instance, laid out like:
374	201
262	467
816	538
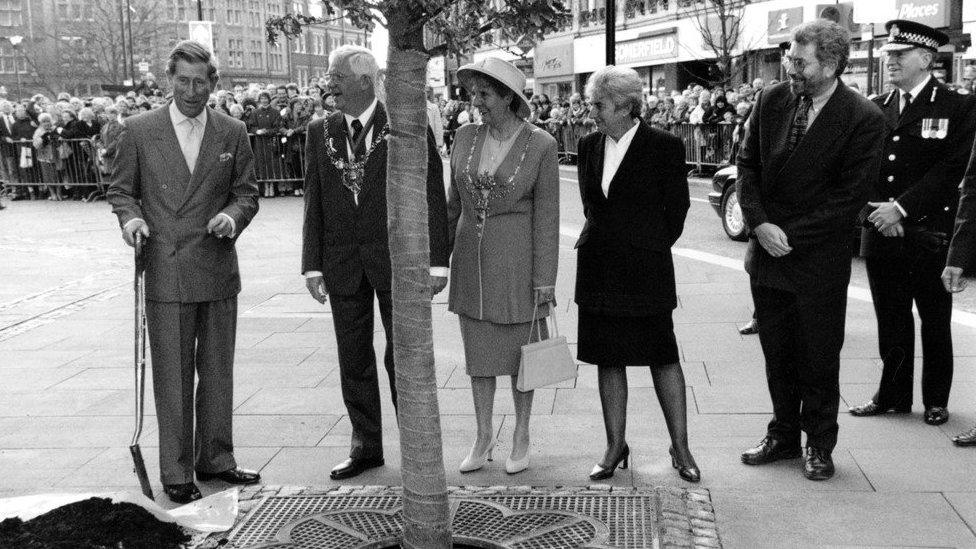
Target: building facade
79	45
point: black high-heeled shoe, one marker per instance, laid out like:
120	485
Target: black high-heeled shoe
600	472
689	473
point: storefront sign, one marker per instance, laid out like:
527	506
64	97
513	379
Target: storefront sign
781	22
553	59
846	12
934	13
662	46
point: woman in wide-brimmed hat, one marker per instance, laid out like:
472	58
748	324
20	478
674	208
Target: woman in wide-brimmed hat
503	206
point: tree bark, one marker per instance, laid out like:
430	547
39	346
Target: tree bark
426	512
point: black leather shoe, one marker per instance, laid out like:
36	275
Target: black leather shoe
936	415
770	449
354	466
600	472
751	328
873	409
182	493
967	438
691	473
818	464
231	476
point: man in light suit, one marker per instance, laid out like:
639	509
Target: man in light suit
809	154
345	250
183	177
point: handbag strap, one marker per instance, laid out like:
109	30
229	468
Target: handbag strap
535	323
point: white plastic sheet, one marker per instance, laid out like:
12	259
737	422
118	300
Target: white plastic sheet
214	513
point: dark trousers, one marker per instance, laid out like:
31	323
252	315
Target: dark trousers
801	337
353	318
896	282
190	340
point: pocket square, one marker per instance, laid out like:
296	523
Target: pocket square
224	157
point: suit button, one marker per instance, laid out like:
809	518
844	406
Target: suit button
891	178
891	157
164	186
896	138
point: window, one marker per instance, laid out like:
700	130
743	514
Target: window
10	13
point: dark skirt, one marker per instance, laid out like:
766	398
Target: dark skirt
626	341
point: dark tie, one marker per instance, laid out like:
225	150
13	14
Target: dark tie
907	101
357	130
799	126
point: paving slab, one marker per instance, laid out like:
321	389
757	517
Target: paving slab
939	469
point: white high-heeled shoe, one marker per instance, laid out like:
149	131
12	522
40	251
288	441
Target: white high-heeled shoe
473	463
515	466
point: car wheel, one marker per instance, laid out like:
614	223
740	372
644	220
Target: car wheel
732	220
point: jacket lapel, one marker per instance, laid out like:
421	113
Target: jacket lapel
821	133
168	147
379	120
891	106
919	107
779	116
213	140
627	163
599	147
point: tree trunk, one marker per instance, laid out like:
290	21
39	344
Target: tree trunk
426	513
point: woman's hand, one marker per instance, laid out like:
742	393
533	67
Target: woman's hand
545	295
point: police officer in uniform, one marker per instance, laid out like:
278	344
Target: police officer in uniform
905	235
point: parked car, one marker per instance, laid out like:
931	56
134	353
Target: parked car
726	204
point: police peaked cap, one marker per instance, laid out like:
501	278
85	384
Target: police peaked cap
903	35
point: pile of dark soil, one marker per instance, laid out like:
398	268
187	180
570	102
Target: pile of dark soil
95	523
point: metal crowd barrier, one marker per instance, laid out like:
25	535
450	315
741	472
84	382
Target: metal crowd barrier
706	145
279	158
77	164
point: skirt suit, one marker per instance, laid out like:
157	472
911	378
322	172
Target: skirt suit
505	242
625	286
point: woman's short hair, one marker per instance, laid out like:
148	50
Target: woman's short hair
832	42
192	52
44	117
70	112
265	95
484	81
621	85
86	114
236	110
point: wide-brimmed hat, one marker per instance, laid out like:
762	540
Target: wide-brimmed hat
903	35
503	71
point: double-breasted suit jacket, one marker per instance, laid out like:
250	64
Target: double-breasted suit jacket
923	160
624	264
498	260
151	181
345	240
348	242
192	277
813	194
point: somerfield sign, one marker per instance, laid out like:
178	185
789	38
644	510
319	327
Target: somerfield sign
934	13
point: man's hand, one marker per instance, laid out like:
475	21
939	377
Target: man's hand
437	284
885	215
133	227
895	230
952	279
316	287
545	295
220	226
773	239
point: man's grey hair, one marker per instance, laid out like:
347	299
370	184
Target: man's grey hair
832	42
361	61
192	52
621	85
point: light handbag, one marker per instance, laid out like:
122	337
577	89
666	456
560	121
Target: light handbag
545	362
26	158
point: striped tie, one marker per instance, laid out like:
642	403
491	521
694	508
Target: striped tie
799	126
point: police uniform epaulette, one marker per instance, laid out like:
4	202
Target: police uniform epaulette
891	95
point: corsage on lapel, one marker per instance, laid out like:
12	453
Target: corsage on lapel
224	157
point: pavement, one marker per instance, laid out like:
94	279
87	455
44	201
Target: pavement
66	396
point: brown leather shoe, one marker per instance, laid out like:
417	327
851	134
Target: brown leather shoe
967	438
770	449
818	464
872	408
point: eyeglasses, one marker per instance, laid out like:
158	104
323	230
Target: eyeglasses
797	63
334	76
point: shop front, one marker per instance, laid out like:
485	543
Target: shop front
553	68
653	55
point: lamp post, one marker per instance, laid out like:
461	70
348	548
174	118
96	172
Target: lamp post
15	42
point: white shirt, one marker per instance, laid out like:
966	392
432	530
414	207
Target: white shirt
916	91
819	102
613	155
190	147
363	119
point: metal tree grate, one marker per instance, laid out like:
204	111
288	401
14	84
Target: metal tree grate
515	521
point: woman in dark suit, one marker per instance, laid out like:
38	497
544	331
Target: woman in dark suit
635	198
